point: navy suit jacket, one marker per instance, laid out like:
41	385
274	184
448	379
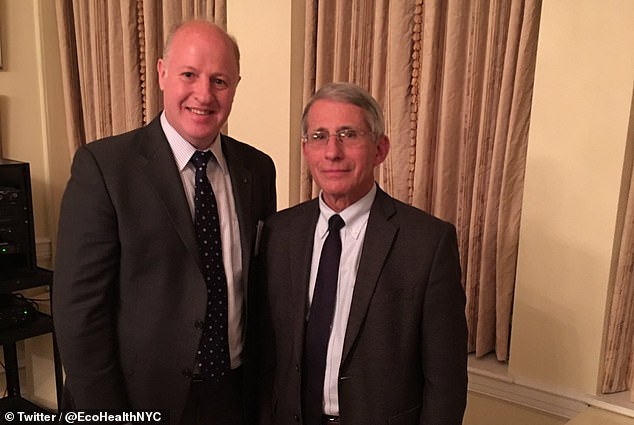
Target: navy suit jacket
405	347
128	292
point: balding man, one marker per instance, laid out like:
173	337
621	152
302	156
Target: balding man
156	238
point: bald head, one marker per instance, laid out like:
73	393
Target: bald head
204	27
198	74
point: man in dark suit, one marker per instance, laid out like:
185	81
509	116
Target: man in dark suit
131	304
388	344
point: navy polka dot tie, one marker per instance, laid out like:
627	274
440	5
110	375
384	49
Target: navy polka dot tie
213	354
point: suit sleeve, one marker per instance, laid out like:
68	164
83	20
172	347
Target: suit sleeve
85	289
266	338
444	338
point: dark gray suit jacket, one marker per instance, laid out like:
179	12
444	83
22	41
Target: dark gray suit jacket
128	292
405	349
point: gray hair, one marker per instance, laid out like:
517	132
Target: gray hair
351	94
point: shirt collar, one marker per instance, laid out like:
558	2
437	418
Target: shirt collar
355	216
183	150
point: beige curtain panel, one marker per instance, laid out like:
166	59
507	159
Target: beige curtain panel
455	79
109	51
477	70
618	350
367	42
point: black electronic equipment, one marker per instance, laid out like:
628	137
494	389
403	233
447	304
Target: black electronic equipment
17	235
15	311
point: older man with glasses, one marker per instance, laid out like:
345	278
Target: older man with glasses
364	309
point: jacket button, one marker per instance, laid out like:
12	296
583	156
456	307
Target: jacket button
296	368
199	324
187	373
296	417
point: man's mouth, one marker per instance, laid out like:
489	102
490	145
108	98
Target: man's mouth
199	111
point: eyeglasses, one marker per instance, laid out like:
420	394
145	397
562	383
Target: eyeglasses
347	137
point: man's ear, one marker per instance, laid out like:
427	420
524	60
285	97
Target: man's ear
382	149
161	69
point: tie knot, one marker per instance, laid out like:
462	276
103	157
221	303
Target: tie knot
335	223
200	159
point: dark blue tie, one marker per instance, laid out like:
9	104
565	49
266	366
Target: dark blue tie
213	354
322	310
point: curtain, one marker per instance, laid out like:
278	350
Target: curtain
618	350
455	80
109	52
366	42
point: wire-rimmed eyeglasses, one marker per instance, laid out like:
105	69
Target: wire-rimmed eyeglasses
346	137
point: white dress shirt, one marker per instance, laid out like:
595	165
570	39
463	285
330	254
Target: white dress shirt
218	174
352	235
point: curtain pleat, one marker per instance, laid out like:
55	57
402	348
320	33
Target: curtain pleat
518	92
73	104
619	350
155	28
391	85
109	53
126	88
455	82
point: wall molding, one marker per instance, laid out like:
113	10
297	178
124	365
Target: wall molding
503	388
490	378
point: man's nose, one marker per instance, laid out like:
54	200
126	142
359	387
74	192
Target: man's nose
204	90
334	147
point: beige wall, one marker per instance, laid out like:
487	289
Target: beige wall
581	111
582	107
268	104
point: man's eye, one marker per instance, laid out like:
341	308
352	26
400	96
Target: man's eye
187	74
347	134
319	136
220	82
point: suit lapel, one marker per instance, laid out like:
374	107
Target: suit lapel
302	230
157	163
379	236
242	186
